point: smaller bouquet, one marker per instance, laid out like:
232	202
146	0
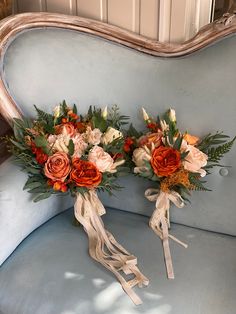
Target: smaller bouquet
66	152
176	162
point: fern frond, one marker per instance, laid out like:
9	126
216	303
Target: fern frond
196	184
216	153
44	116
210	140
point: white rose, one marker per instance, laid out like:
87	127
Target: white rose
140	155
92	136
110	135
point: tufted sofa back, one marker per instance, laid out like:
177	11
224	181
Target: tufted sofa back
45	65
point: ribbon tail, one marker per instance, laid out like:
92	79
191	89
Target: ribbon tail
166	248
159	225
104	248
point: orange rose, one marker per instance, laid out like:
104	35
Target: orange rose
57	167
165	161
66	128
85	173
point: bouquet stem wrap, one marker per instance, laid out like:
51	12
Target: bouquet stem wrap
160	221
103	246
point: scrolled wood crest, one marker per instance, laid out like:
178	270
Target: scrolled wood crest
11	26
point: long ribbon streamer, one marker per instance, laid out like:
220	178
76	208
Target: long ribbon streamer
160	221
104	248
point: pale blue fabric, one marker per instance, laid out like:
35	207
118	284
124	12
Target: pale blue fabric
44	66
19	215
52	273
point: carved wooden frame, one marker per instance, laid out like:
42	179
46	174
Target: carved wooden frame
10	26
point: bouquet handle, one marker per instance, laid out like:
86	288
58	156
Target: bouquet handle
104	248
160	221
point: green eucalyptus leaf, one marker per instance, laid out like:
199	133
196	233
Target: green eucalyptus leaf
32	185
42	196
178	142
20	146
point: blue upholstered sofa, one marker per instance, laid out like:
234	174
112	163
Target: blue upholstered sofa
45	266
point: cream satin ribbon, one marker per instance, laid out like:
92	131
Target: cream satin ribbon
160	221
103	246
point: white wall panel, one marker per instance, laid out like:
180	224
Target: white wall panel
30	5
149	18
205	12
164	20
177	20
124	13
94	9
62	6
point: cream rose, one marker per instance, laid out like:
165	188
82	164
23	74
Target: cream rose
140	155
101	159
59	143
79	145
110	135
92	137
195	159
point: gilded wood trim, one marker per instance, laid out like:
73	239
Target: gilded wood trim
15	24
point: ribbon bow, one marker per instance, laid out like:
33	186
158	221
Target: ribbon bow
160	221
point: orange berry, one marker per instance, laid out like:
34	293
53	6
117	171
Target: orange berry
57	186
64	188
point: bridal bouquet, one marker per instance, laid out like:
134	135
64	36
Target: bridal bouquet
176	162
66	152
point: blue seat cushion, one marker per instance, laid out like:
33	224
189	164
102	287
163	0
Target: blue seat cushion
52	273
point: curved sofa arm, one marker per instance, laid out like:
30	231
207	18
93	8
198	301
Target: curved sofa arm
19	215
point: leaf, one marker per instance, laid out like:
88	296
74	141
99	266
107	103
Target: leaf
43	188
32	185
100	123
27	122
132	132
71	147
40	141
178	142
42	196
19	123
17	132
210	140
20	146
46	120
49	128
64	107
155	178
74	109
198	185
184	154
32	170
216	153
